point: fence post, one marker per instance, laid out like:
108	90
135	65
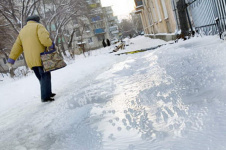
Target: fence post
181	7
218	26
188	16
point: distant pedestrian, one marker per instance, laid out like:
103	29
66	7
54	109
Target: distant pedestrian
108	42
32	40
104	44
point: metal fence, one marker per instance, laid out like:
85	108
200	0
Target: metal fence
209	16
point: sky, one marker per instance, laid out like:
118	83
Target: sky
121	8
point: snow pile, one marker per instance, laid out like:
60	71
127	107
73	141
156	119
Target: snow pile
141	42
171	98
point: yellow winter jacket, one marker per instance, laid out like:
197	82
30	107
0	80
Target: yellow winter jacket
32	39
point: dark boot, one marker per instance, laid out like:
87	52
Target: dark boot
48	99
52	95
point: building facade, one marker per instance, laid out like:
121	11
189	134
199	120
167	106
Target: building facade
111	22
101	25
157	16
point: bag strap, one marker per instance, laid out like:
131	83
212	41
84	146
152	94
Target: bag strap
46	49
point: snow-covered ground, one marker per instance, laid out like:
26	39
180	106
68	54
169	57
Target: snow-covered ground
171	98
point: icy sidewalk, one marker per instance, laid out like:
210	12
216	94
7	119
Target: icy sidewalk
172	98
169	99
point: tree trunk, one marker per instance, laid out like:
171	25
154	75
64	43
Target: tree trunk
62	46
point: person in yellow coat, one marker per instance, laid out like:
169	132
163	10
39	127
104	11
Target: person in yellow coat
32	40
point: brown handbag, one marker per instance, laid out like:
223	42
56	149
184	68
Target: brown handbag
51	60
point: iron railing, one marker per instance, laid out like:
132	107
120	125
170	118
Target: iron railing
209	16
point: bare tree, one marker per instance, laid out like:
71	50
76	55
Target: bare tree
56	15
136	23
131	26
126	27
15	12
6	37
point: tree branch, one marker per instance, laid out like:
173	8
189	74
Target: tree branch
9	21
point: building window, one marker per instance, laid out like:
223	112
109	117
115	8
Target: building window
96	18
86	28
158	11
90	40
99	31
139	2
77	33
4	60
74	20
100	37
164	9
53	27
98	25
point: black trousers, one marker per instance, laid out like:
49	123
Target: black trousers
45	82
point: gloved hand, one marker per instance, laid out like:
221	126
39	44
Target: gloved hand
10	66
11	70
